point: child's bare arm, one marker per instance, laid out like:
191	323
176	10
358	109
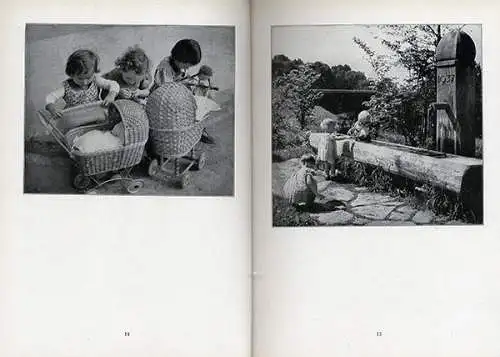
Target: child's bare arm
112	86
51	99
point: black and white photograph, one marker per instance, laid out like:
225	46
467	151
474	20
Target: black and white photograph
377	125
129	109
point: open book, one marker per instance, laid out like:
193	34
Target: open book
112	252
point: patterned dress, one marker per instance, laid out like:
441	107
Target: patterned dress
76	96
297	191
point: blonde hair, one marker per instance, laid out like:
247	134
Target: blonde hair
327	124
364	117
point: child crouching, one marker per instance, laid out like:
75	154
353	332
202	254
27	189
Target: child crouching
301	188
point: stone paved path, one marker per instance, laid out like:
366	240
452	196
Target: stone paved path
348	204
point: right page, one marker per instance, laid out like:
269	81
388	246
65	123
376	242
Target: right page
374	145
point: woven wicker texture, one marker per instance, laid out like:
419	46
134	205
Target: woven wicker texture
172	106
171	110
136	125
135	120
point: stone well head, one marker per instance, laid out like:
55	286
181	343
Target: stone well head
456	45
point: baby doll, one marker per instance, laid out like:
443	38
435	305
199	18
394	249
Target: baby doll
301	188
83	85
361	129
202	81
133	74
327	148
185	54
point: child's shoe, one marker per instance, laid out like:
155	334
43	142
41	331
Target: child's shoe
206	138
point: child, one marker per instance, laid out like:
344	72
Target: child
202	81
301	188
185	54
361	129
133	74
327	148
83	85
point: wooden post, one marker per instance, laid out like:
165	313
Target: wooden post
455	90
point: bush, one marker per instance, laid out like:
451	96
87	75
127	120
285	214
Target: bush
285	215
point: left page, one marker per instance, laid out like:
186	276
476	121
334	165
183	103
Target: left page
126	225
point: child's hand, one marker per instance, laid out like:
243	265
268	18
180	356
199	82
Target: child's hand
140	93
51	108
109	99
125	93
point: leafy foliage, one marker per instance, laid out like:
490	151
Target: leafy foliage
285	215
293	97
402	107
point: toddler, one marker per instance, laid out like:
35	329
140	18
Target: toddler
185	54
133	74
301	188
83	85
327	148
361	129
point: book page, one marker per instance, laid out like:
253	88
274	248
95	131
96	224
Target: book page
355	253
136	264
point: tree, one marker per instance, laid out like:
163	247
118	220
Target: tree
293	97
413	47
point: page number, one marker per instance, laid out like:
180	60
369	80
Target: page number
127	333
379	333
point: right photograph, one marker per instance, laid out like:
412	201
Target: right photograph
377	125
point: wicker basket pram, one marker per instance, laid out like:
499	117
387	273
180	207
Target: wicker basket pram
67	129
173	132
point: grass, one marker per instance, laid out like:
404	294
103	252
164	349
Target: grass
439	201
285	215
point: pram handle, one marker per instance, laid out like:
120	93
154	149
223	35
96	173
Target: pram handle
201	86
49	123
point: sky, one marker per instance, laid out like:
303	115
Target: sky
333	44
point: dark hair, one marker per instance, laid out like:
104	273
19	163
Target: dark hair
205	71
82	62
134	59
307	159
187	51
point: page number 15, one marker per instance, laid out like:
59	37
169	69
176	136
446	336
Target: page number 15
379	333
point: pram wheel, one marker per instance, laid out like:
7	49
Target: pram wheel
135	186
183	181
200	161
153	168
81	182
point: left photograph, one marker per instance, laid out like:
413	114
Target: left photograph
129	110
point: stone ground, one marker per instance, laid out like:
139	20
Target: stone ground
49	170
348	204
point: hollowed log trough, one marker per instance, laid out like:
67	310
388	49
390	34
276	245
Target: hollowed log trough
458	174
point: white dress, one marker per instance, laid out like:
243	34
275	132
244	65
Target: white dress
327	148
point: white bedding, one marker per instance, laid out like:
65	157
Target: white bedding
204	106
97	140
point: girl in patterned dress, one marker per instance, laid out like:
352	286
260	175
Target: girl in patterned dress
301	188
83	85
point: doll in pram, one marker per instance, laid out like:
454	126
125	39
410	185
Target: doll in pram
118	158
174	134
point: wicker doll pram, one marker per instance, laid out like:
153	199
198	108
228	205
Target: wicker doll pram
174	134
81	119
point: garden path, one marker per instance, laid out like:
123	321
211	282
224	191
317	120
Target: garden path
348	204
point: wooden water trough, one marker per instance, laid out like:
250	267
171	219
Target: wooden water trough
458	174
